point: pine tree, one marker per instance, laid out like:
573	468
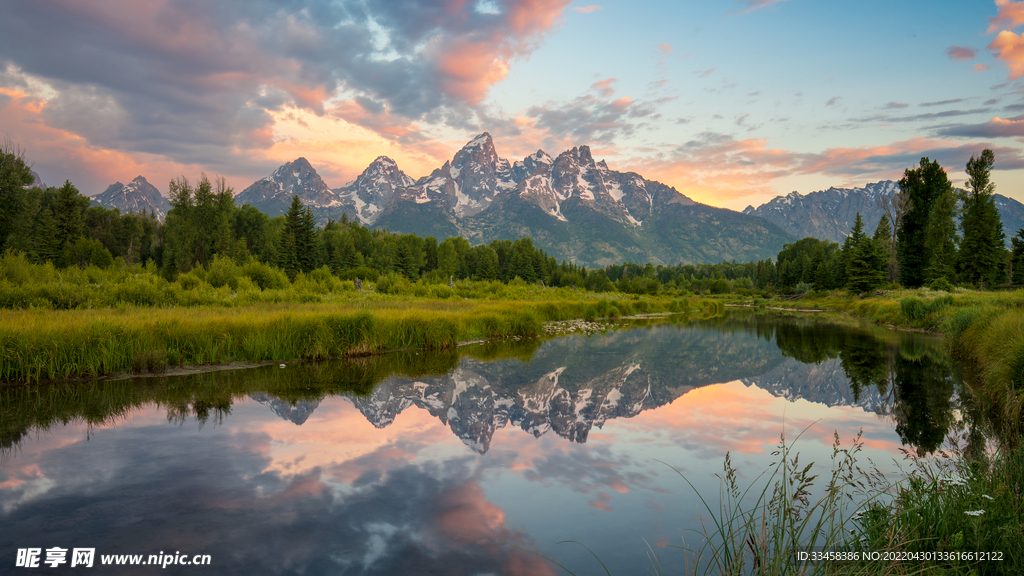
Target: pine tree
1017	258
982	257
922	186
306	242
865	261
291	239
883	237
68	212
940	238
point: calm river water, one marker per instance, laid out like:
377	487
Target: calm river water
455	463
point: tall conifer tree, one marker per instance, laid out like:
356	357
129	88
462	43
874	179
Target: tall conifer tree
865	261
922	186
982	256
940	239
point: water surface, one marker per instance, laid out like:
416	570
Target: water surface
459	462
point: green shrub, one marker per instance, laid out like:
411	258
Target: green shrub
265	276
913	308
192	281
590	314
936	304
222	271
941	283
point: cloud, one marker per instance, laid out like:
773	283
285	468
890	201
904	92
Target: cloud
409	520
1009	48
960	53
920	117
589	119
751	5
942	102
199	83
833	100
664	49
587	9
995	128
705	73
1009	15
981	67
722	170
604	87
896	105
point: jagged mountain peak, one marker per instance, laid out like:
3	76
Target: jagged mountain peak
273	194
137	196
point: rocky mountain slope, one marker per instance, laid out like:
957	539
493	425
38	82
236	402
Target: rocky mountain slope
574	207
829	214
273	194
137	196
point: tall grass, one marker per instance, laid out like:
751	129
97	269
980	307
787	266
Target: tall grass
761	528
37	345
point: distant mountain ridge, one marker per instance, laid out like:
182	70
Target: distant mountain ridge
830	214
137	196
573	207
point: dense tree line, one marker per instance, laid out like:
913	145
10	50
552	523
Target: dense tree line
917	242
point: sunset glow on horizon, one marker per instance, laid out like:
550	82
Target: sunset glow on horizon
731	103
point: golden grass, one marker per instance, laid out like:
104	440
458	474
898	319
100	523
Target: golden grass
37	345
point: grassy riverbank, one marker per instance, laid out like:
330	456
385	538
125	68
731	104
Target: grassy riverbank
39	345
959	502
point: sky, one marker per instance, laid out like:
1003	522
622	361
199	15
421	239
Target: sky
732	102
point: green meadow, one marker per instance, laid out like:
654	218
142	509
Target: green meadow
88	323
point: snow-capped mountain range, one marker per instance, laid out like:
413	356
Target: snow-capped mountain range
574	207
137	196
830	214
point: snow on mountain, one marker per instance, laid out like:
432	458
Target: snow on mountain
273	194
137	196
830	214
370	193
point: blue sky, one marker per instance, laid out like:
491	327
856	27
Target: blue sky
732	102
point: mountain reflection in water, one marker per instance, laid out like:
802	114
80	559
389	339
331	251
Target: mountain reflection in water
362	467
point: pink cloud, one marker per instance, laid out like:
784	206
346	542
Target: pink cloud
981	67
960	53
665	49
1009	15
1009	48
469	65
601	501
604	87
587	9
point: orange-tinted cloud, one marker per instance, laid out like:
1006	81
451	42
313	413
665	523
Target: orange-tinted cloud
465	516
601	501
587	9
1010	14
469	65
981	67
469	69
59	155
604	87
665	49
1009	48
995	128
723	171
